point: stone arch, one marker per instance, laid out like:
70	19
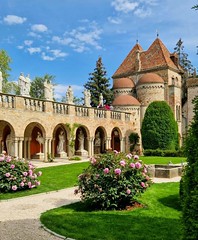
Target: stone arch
115	139
32	147
7	135
100	140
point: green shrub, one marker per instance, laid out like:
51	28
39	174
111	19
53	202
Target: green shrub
189	182
16	174
159	128
164	153
112	181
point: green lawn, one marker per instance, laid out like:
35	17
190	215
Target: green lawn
162	160
53	178
159	219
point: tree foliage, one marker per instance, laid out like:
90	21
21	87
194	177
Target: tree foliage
37	86
190	180
159	128
187	66
99	83
5	60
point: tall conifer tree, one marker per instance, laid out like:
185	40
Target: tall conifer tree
99	83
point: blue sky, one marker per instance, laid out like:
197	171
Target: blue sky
64	38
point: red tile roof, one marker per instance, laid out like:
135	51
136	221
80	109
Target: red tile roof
150	78
123	83
156	56
125	100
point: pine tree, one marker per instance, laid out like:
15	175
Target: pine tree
99	83
185	63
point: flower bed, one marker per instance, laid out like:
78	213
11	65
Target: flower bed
17	174
112	181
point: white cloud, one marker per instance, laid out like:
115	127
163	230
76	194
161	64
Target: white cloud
28	42
33	34
52	54
114	20
63	41
13	19
81	38
39	28
142	13
20	47
33	50
125	6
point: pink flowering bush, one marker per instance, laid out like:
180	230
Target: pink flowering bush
16	174
112	181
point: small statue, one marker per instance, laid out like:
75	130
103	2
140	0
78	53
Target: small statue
60	147
87	98
40	139
69	96
24	85
48	90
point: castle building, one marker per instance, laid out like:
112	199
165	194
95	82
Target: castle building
151	75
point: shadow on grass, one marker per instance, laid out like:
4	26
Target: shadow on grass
172	201
76	222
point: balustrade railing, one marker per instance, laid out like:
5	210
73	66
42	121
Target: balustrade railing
31	104
7	101
60	108
34	104
100	113
81	111
116	115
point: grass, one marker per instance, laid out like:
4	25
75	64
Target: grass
60	177
158	220
53	178
162	160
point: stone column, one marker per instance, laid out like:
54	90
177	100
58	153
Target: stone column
28	148
16	147
45	150
122	144
108	143
91	146
20	144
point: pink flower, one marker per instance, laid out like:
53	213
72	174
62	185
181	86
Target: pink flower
115	151
128	191
38	183
12	166
143	184
7	174
136	157
14	188
22	184
29	184
117	171
39	173
25	174
138	165
30	172
132	165
145	170
2	159
106	170
8	159
93	160
122	163
129	155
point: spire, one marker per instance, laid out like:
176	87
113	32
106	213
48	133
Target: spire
157	33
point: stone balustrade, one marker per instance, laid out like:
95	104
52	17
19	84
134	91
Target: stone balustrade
38	105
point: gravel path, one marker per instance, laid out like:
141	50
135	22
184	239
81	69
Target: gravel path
19	218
